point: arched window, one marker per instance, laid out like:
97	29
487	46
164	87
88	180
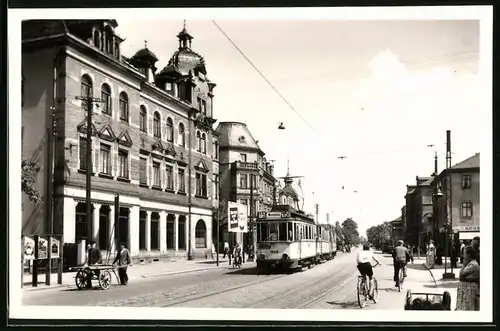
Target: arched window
106	97
198	140
170	130
204	143
124	107
156	125
182	135
143	120
108	37
86	88
97	39
201	234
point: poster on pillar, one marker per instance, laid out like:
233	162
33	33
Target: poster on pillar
237	216
55	248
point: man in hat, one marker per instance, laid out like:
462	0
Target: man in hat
94	257
123	260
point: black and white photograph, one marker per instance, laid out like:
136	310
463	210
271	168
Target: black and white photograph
306	164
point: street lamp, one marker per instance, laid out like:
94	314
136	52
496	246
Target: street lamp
281	126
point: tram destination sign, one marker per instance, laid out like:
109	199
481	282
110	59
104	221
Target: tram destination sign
274	214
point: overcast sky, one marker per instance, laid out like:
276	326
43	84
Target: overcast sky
377	92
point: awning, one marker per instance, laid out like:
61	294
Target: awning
467	235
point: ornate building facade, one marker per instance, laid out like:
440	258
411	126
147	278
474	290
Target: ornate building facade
241	161
153	141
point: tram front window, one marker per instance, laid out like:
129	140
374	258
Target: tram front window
273	232
282	231
264	231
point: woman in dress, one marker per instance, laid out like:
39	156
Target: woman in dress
468	286
431	254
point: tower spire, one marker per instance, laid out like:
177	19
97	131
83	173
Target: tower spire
184	37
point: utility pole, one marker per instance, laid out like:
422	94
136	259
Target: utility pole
251	236
449	219
88	102
49	189
317	212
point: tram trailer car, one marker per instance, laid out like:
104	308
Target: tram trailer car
291	240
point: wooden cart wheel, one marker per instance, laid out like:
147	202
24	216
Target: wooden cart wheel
81	279
104	279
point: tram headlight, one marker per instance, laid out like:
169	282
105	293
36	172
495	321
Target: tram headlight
284	257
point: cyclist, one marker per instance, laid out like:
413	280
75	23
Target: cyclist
401	257
365	268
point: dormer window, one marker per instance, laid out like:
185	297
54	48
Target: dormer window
108	39
168	86
97	39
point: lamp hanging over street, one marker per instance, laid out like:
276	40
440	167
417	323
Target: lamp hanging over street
282	126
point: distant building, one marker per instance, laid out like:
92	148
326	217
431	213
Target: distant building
398	230
153	141
418	216
464	193
242	160
403	220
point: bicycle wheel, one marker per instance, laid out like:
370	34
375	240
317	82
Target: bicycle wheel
400	280
361	293
375	291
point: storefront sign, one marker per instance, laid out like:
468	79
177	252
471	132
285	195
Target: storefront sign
28	248
469	228
237	216
55	251
42	248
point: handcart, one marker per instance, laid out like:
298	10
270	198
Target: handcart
427	301
101	273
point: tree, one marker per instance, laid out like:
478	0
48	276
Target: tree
29	172
350	231
379	234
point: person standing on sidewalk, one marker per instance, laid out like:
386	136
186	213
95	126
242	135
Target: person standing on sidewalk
462	252
468	286
226	249
475	245
123	260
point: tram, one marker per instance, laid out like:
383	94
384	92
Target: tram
289	239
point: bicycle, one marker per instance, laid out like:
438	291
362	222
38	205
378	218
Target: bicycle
363	290
401	277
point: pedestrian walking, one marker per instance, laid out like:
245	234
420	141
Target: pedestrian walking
468	286
94	257
226	249
123	260
431	254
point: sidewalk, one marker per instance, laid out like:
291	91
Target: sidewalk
135	272
442	285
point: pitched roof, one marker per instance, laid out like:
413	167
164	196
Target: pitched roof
235	134
471	162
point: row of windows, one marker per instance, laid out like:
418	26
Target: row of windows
245	181
87	91
285	231
179	183
106	104
104	161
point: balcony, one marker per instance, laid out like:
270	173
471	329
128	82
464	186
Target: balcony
247	165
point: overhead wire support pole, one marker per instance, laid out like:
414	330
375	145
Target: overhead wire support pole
88	102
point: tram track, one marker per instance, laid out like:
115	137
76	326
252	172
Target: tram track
322	285
200	296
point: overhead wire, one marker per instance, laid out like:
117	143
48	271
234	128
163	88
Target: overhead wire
264	77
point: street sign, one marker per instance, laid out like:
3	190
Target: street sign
55	251
238	217
28	248
42	248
